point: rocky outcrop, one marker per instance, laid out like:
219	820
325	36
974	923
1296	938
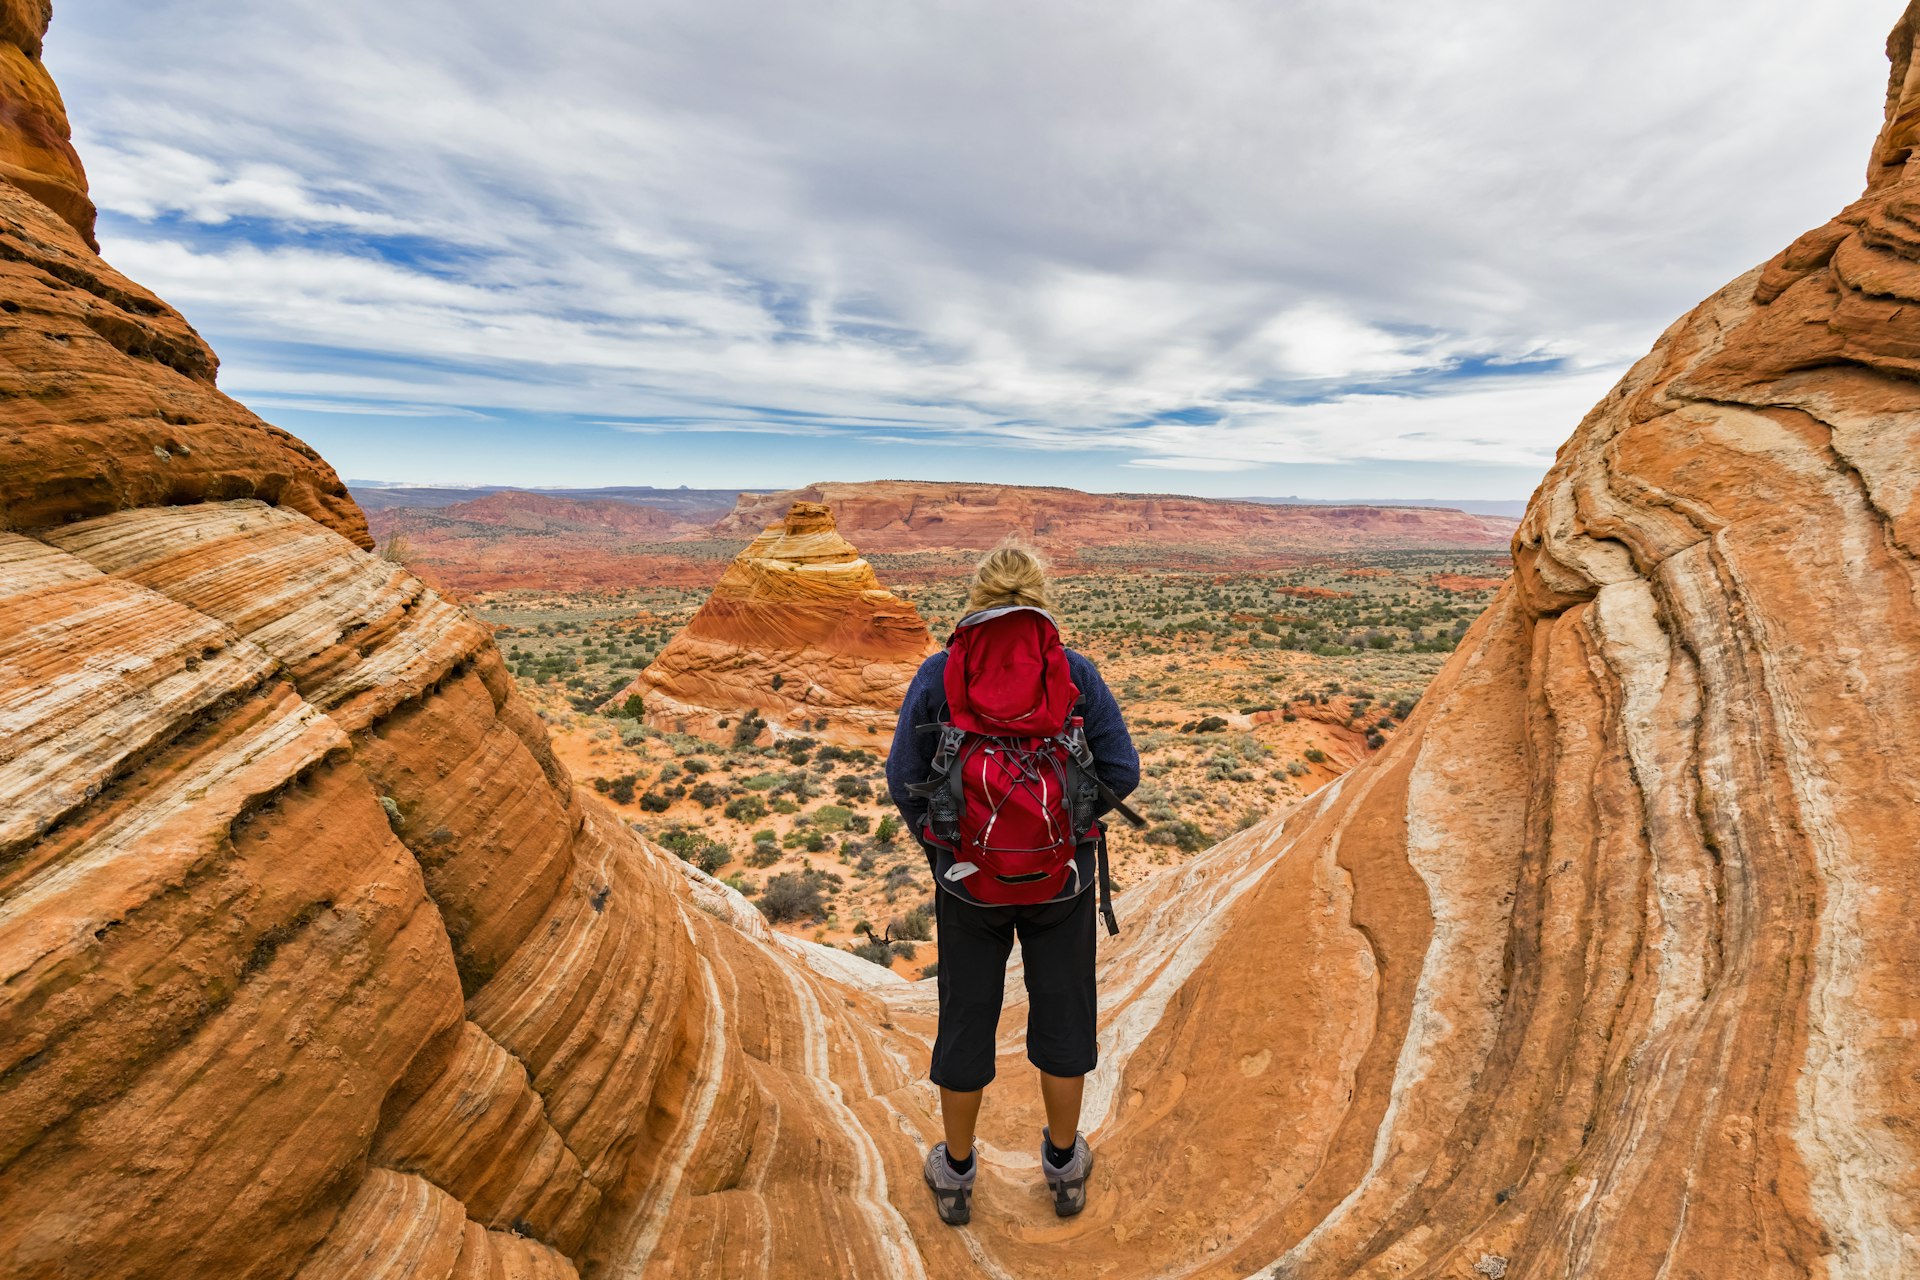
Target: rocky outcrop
799	631
312	962
36	146
924	515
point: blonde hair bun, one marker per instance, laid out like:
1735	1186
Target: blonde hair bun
1010	574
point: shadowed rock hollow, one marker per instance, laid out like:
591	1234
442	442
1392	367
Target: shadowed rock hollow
313	962
799	630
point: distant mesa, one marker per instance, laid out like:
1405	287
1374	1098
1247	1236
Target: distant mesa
799	632
924	515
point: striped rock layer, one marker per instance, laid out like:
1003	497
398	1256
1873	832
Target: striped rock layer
798	630
313	963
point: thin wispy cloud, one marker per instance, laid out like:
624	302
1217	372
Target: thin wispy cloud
1217	237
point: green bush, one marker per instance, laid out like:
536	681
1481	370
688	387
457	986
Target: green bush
747	808
832	817
1184	835
1316	755
654	802
794	895
702	850
748	729
634	707
877	952
917	925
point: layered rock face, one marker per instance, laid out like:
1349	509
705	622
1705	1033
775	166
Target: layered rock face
920	515
312	963
797	630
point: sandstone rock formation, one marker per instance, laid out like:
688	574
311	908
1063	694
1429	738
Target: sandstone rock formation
799	631
313	964
925	515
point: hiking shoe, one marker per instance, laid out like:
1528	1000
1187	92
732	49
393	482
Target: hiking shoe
952	1192
1069	1182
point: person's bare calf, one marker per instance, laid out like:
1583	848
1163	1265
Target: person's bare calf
1062	1095
959	1113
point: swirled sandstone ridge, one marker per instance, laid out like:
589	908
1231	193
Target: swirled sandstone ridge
799	631
312	962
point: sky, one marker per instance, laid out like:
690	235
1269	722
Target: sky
1332	248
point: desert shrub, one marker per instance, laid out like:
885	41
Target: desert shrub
620	789
655	802
905	950
930	970
889	828
1182	834
832	817
874	950
746	808
903	876
761	781
763	855
1316	755
634	707
852	787
794	895
784	805
748	729
702	850
917	925
859	822
696	764
669	771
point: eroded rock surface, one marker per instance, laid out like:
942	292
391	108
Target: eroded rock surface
313	963
799	631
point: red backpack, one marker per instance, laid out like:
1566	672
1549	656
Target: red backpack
1013	793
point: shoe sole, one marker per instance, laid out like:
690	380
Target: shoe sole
960	1213
1066	1208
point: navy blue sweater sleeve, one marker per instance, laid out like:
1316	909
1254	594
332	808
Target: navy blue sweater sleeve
910	758
1114	757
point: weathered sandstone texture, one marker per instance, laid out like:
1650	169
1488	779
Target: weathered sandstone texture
799	631
313	963
927	515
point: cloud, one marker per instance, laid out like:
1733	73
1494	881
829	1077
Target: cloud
1201	235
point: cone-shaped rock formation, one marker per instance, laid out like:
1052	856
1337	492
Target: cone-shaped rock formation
799	631
313	963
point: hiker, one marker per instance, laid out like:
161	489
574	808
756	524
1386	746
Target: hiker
1008	750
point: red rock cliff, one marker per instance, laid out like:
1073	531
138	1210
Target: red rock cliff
922	515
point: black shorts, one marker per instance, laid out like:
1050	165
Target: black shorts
1057	946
